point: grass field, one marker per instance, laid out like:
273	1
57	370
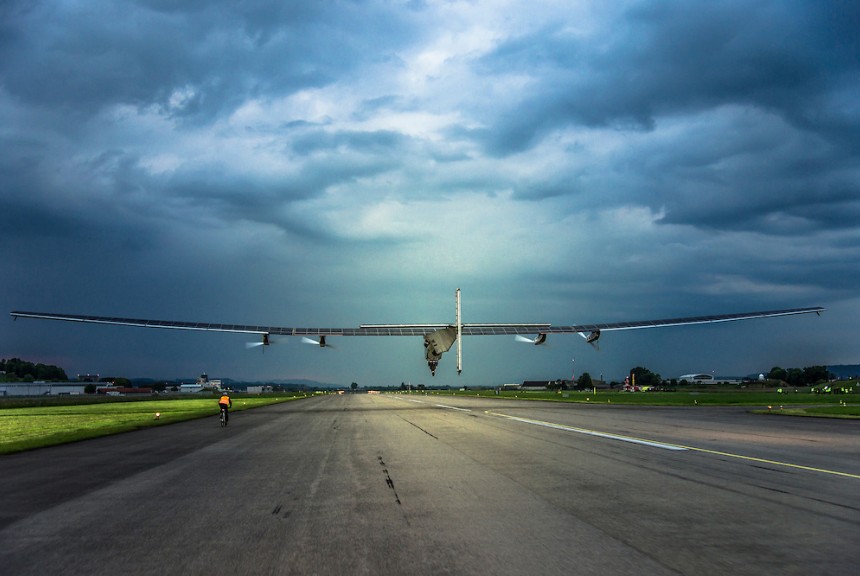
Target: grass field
71	419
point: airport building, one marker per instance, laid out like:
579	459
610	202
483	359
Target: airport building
190	388
65	389
703	378
697	378
41	388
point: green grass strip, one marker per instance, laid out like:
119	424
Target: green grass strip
36	427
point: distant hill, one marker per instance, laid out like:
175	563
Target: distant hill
845	370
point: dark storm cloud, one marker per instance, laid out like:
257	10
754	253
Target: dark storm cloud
787	169
748	176
82	57
670	57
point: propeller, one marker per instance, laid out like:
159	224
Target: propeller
264	341
592	338
321	342
537	340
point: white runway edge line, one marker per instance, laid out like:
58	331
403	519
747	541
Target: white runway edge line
592	432
675	447
437	405
662	445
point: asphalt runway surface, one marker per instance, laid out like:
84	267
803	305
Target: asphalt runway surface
384	484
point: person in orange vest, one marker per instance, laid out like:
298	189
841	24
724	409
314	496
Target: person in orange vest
224	403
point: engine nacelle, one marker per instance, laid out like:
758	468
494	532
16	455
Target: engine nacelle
321	342
592	338
537	340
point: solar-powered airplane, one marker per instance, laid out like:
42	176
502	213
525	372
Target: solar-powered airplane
438	338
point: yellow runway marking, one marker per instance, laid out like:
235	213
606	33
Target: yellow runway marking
668	446
775	462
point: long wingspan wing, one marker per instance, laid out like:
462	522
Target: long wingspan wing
370	330
438	338
411	329
493	329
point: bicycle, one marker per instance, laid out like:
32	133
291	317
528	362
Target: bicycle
223	417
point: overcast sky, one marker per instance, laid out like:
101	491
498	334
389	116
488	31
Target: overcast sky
337	163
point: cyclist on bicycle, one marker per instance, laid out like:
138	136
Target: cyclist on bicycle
225	403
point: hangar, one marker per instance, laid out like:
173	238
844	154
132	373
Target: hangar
698	378
41	388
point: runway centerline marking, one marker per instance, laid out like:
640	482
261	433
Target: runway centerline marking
668	446
452	407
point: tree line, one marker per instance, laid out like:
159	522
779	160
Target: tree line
17	370
797	377
808	376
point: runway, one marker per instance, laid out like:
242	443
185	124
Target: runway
384	484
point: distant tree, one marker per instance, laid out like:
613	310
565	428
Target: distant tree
794	377
354	386
48	372
777	373
17	369
159	386
645	377
90	388
815	374
585	381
